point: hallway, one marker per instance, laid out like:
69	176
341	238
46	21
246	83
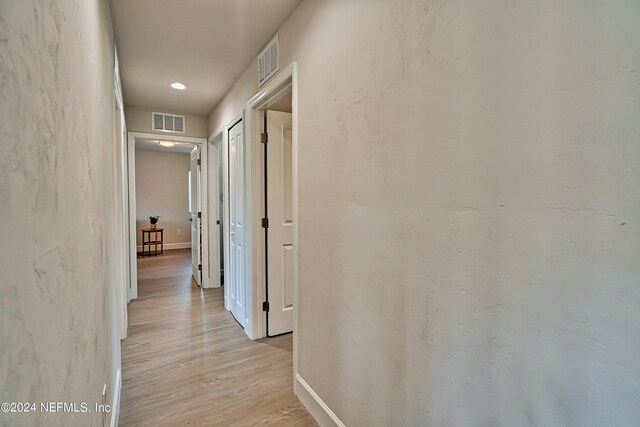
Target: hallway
187	362
462	213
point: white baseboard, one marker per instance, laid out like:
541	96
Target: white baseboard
315	405
115	403
170	246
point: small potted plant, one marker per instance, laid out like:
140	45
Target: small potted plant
153	220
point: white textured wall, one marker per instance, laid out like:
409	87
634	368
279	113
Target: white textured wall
139	120
162	188
469	209
58	339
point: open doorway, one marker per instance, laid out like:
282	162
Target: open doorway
164	176
272	115
165	180
278	201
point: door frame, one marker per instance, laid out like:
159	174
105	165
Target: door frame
131	179
214	138
197	273
285	80
121	203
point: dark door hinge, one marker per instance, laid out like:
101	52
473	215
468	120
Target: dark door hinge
199	267
199	162
265	306
199	214
217	222
264	137
265	222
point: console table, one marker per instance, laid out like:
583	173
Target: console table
158	239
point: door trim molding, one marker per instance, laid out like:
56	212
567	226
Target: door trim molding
281	82
212	202
131	179
216	134
121	204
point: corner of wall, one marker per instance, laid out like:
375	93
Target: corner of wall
319	410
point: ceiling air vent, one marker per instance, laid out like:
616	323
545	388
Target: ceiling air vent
164	122
268	61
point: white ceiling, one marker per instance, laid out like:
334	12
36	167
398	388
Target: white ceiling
205	44
145	144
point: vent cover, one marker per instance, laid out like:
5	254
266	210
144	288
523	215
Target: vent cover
167	122
268	61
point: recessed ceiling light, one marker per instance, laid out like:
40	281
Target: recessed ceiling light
167	143
178	85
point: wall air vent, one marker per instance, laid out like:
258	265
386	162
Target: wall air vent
268	61
164	122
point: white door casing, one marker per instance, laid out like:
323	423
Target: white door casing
122	218
277	87
280	230
132	137
133	252
219	153
215	211
122	203
194	208
235	286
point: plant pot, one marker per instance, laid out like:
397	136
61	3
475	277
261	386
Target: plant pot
153	226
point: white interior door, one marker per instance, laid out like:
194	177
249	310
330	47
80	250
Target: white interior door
235	285
194	210
215	212
280	230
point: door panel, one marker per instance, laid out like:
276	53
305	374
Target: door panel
280	214
194	208
287	276
236	283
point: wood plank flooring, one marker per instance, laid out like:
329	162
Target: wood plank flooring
187	362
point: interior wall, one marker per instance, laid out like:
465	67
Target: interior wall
468	209
59	340
162	188
139	120
283	104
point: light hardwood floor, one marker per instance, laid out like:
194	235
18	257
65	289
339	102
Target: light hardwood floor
186	361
